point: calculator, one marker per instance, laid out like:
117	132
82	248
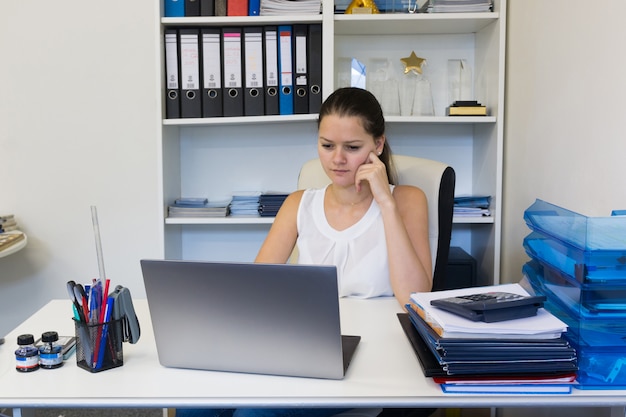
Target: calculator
491	306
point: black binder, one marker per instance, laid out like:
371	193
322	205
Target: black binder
207	7
172	75
190	102
192	8
315	67
233	71
270	44
212	92
253	101
300	72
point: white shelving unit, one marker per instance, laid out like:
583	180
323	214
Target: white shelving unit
216	157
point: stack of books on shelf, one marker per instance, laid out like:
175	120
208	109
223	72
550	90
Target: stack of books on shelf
520	355
270	203
198	207
7	223
472	206
290	7
578	263
467	108
457	6
245	203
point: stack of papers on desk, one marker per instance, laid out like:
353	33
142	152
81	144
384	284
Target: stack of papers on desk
526	355
198	207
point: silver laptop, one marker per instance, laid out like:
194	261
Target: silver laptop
277	319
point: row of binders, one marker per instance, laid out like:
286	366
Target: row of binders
243	71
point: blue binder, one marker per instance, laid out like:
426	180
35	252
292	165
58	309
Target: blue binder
285	68
174	8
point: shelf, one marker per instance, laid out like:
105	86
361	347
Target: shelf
14	248
270	220
240	20
214	121
409	24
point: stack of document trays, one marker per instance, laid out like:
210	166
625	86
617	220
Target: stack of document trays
518	356
579	264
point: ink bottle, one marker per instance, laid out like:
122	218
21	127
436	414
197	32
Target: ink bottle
26	355
50	351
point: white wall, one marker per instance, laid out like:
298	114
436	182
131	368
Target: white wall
78	125
565	113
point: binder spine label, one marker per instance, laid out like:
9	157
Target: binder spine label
254	60
189	59
171	60
271	59
212	68
286	75
301	77
232	60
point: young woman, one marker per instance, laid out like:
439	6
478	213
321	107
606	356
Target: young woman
376	233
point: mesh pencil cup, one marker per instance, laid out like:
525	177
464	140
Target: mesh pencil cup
99	345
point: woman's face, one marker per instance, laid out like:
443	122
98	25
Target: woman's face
344	146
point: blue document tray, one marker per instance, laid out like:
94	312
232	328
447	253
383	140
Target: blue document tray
585	328
590	249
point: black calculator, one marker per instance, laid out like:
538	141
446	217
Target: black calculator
491	306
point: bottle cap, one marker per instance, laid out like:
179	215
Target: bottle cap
25	339
48	337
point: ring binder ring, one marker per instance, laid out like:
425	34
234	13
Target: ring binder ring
232	92
254	93
212	93
190	94
315	89
301	92
272	91
173	95
286	90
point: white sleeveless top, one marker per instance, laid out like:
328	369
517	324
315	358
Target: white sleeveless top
359	252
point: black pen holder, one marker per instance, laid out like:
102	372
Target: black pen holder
99	346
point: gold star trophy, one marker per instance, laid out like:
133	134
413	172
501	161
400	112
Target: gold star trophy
415	94
362	7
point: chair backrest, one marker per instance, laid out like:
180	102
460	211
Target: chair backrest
435	178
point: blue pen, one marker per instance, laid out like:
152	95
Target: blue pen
105	330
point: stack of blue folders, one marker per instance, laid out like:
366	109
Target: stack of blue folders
527	355
270	203
245	204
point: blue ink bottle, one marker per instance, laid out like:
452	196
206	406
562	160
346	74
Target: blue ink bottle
26	355
50	351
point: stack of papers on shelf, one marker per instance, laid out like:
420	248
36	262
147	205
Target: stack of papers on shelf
472	206
290	7
528	355
270	203
457	6
245	203
198	207
7	223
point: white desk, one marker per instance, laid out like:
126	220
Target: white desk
384	372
